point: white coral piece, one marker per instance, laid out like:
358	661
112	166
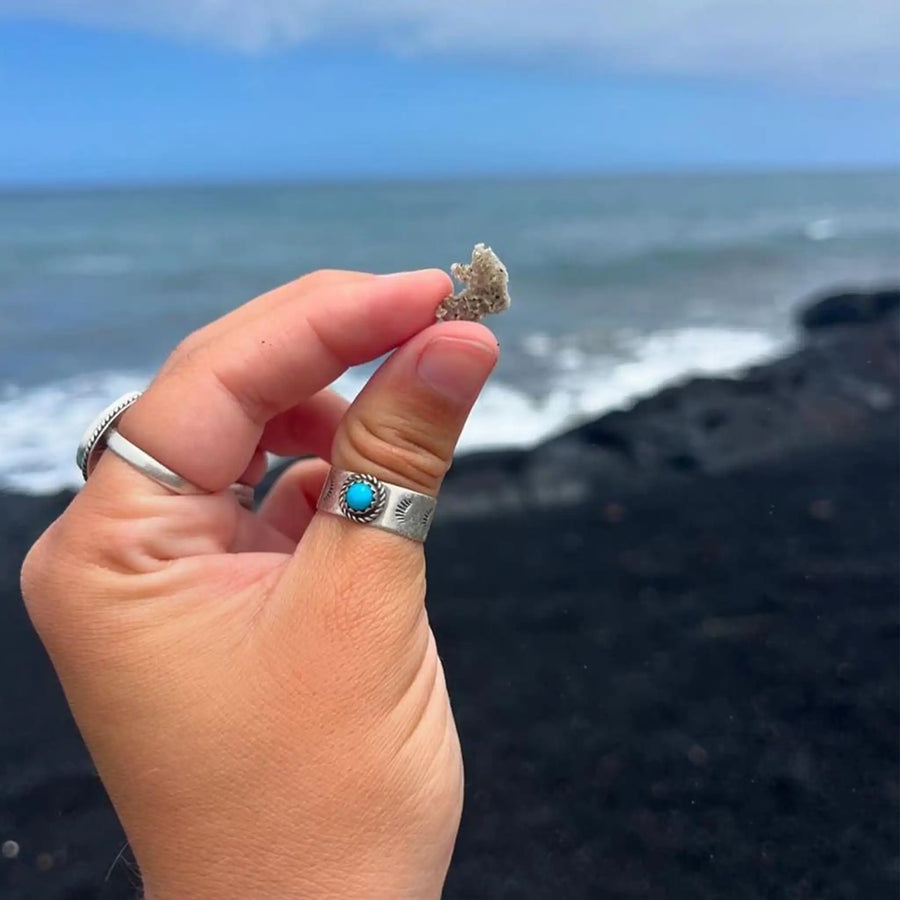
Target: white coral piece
485	291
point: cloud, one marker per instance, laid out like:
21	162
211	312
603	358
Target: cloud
854	43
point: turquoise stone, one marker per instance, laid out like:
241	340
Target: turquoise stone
360	496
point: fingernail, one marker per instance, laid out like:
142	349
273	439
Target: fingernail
456	368
398	274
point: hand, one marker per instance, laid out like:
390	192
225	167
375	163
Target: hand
261	693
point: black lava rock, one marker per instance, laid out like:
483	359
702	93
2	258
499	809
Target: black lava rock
851	308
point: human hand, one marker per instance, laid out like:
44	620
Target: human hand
261	692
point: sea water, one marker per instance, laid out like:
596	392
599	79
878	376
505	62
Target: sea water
619	284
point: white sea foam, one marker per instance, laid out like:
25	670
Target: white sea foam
584	386
821	230
40	426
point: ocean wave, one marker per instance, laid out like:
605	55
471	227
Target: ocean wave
611	239
822	230
584	386
40	426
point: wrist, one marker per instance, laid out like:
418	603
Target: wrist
272	875
372	887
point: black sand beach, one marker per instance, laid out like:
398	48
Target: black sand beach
671	640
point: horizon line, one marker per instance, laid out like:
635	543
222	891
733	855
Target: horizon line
344	180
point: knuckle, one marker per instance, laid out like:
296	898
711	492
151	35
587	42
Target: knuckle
187	345
132	546
195	357
320	277
399	449
184	352
323	278
232	374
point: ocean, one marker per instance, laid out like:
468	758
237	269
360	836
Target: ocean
619	284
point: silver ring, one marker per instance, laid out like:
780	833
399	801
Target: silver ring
102	433
151	467
369	501
93	443
163	475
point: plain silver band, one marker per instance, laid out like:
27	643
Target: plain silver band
152	468
155	470
404	512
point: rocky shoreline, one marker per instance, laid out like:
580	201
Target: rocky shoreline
675	671
840	382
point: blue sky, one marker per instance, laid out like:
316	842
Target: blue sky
89	94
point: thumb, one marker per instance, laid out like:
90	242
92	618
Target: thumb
402	428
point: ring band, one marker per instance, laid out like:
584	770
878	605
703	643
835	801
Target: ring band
369	501
92	443
151	467
102	433
163	475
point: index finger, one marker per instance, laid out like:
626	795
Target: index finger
203	416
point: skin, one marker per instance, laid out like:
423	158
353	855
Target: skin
261	692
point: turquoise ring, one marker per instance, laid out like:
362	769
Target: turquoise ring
368	500
362	497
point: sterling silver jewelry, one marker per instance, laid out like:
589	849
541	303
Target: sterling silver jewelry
102	434
93	442
369	501
156	471
151	467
